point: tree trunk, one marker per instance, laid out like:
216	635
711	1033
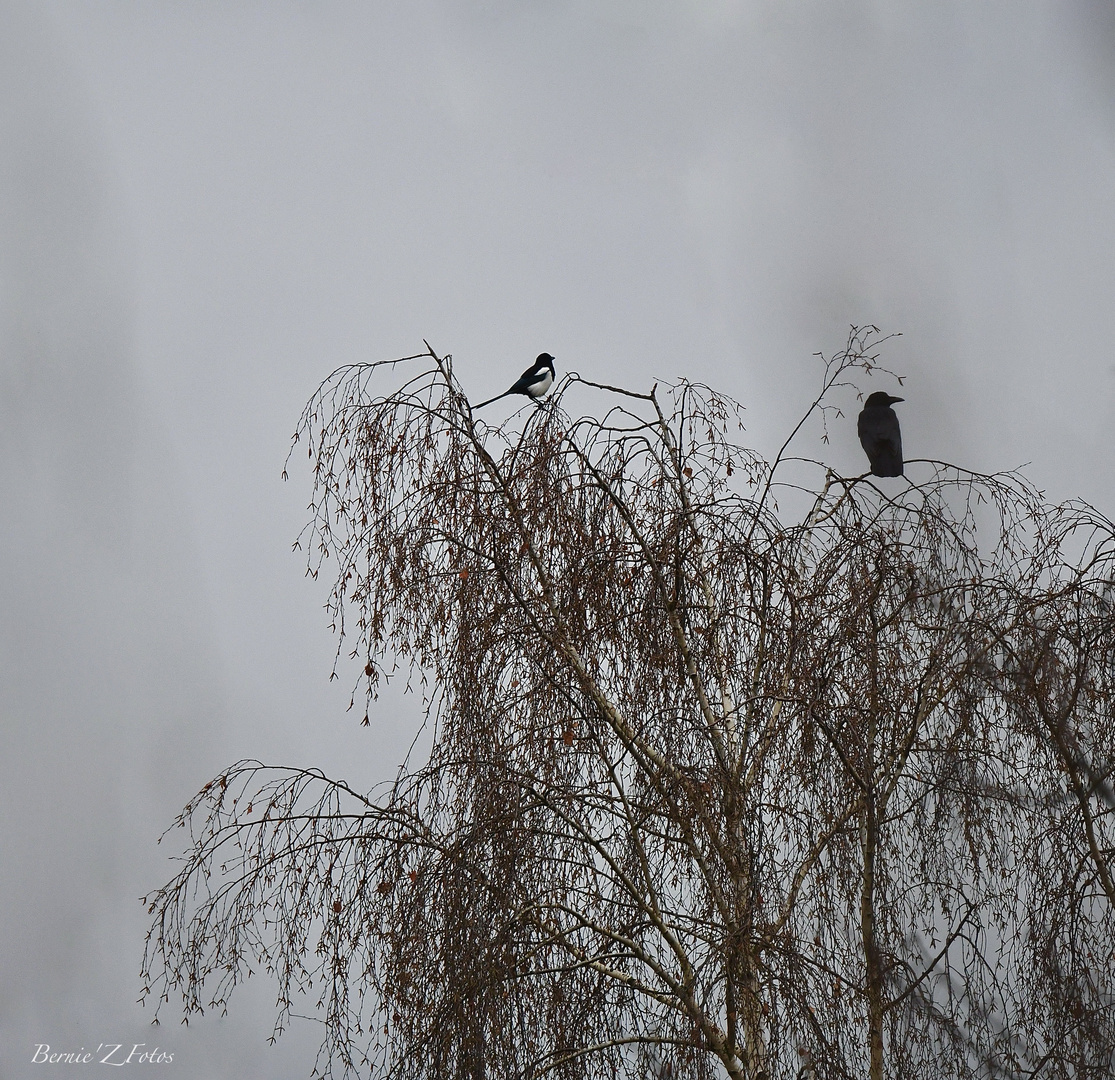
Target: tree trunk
874	980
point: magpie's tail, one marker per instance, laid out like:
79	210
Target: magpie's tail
491	399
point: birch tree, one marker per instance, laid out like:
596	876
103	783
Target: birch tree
739	768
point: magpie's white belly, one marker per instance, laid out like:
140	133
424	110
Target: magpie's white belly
541	387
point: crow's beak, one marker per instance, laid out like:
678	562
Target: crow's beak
894	399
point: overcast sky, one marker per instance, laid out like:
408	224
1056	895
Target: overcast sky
205	207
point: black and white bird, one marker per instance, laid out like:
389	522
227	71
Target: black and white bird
534	383
880	435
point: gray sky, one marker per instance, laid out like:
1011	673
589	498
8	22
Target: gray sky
206	207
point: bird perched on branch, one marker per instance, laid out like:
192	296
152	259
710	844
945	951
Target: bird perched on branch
534	383
880	435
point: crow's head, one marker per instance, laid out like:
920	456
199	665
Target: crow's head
880	400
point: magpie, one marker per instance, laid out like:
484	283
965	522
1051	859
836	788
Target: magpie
535	381
880	435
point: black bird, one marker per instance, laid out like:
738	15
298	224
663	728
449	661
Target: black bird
535	381
880	435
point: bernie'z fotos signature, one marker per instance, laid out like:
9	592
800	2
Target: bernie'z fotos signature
106	1054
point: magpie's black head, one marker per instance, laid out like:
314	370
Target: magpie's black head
544	360
880	400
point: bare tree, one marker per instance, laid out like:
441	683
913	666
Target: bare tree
739	767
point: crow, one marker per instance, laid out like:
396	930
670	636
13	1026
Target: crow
880	435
